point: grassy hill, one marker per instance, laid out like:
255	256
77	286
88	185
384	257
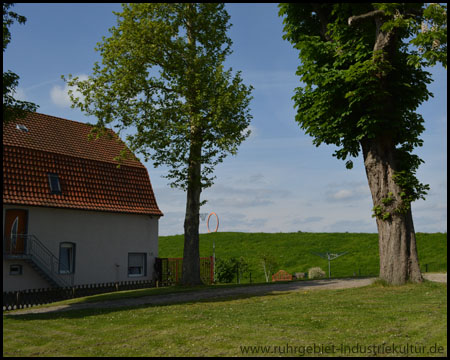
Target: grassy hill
293	251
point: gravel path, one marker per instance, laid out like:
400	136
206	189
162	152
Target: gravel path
218	293
205	295
436	277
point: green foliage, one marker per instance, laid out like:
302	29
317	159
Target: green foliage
430	37
12	108
381	212
225	270
351	92
8	20
162	75
389	199
386	216
405	177
228	269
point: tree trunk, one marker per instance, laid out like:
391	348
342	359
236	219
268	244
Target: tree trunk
191	252
396	237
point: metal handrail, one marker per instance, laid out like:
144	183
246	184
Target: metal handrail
35	250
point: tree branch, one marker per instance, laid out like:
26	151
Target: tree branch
323	20
371	14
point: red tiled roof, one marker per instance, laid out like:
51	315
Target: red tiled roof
88	174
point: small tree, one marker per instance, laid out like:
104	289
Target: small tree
162	75
269	265
228	269
242	268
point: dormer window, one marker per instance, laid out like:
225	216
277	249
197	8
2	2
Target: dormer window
21	127
53	181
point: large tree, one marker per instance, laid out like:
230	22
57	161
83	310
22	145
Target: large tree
162	75
12	108
363	69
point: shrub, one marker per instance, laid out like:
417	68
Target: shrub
225	270
316	273
228	269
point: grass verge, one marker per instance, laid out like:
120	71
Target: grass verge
276	324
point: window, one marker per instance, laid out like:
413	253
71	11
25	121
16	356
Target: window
21	127
53	181
66	258
13	235
136	264
15	270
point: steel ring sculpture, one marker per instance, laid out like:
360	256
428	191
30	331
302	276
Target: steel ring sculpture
207	222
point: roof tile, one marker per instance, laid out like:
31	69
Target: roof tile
88	174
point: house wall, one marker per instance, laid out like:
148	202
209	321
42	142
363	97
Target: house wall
29	279
103	241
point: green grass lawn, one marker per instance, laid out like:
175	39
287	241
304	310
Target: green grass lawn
373	318
293	251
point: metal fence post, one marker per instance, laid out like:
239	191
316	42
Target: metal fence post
17	299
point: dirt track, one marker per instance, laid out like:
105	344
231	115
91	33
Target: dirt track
255	290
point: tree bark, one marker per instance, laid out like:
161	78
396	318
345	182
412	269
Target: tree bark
396	237
191	252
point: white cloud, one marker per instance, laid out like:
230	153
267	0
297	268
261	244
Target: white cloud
60	94
342	195
347	192
19	94
244	196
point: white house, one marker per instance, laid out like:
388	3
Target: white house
71	216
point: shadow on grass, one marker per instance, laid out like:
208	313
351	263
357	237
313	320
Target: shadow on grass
80	310
82	313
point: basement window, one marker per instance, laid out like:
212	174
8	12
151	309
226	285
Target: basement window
15	269
53	181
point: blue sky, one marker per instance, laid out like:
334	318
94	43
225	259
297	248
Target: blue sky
279	181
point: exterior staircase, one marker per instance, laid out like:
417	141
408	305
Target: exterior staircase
40	258
43	274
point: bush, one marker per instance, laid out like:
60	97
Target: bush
228	269
316	273
225	270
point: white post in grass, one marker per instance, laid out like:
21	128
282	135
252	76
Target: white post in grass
214	244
